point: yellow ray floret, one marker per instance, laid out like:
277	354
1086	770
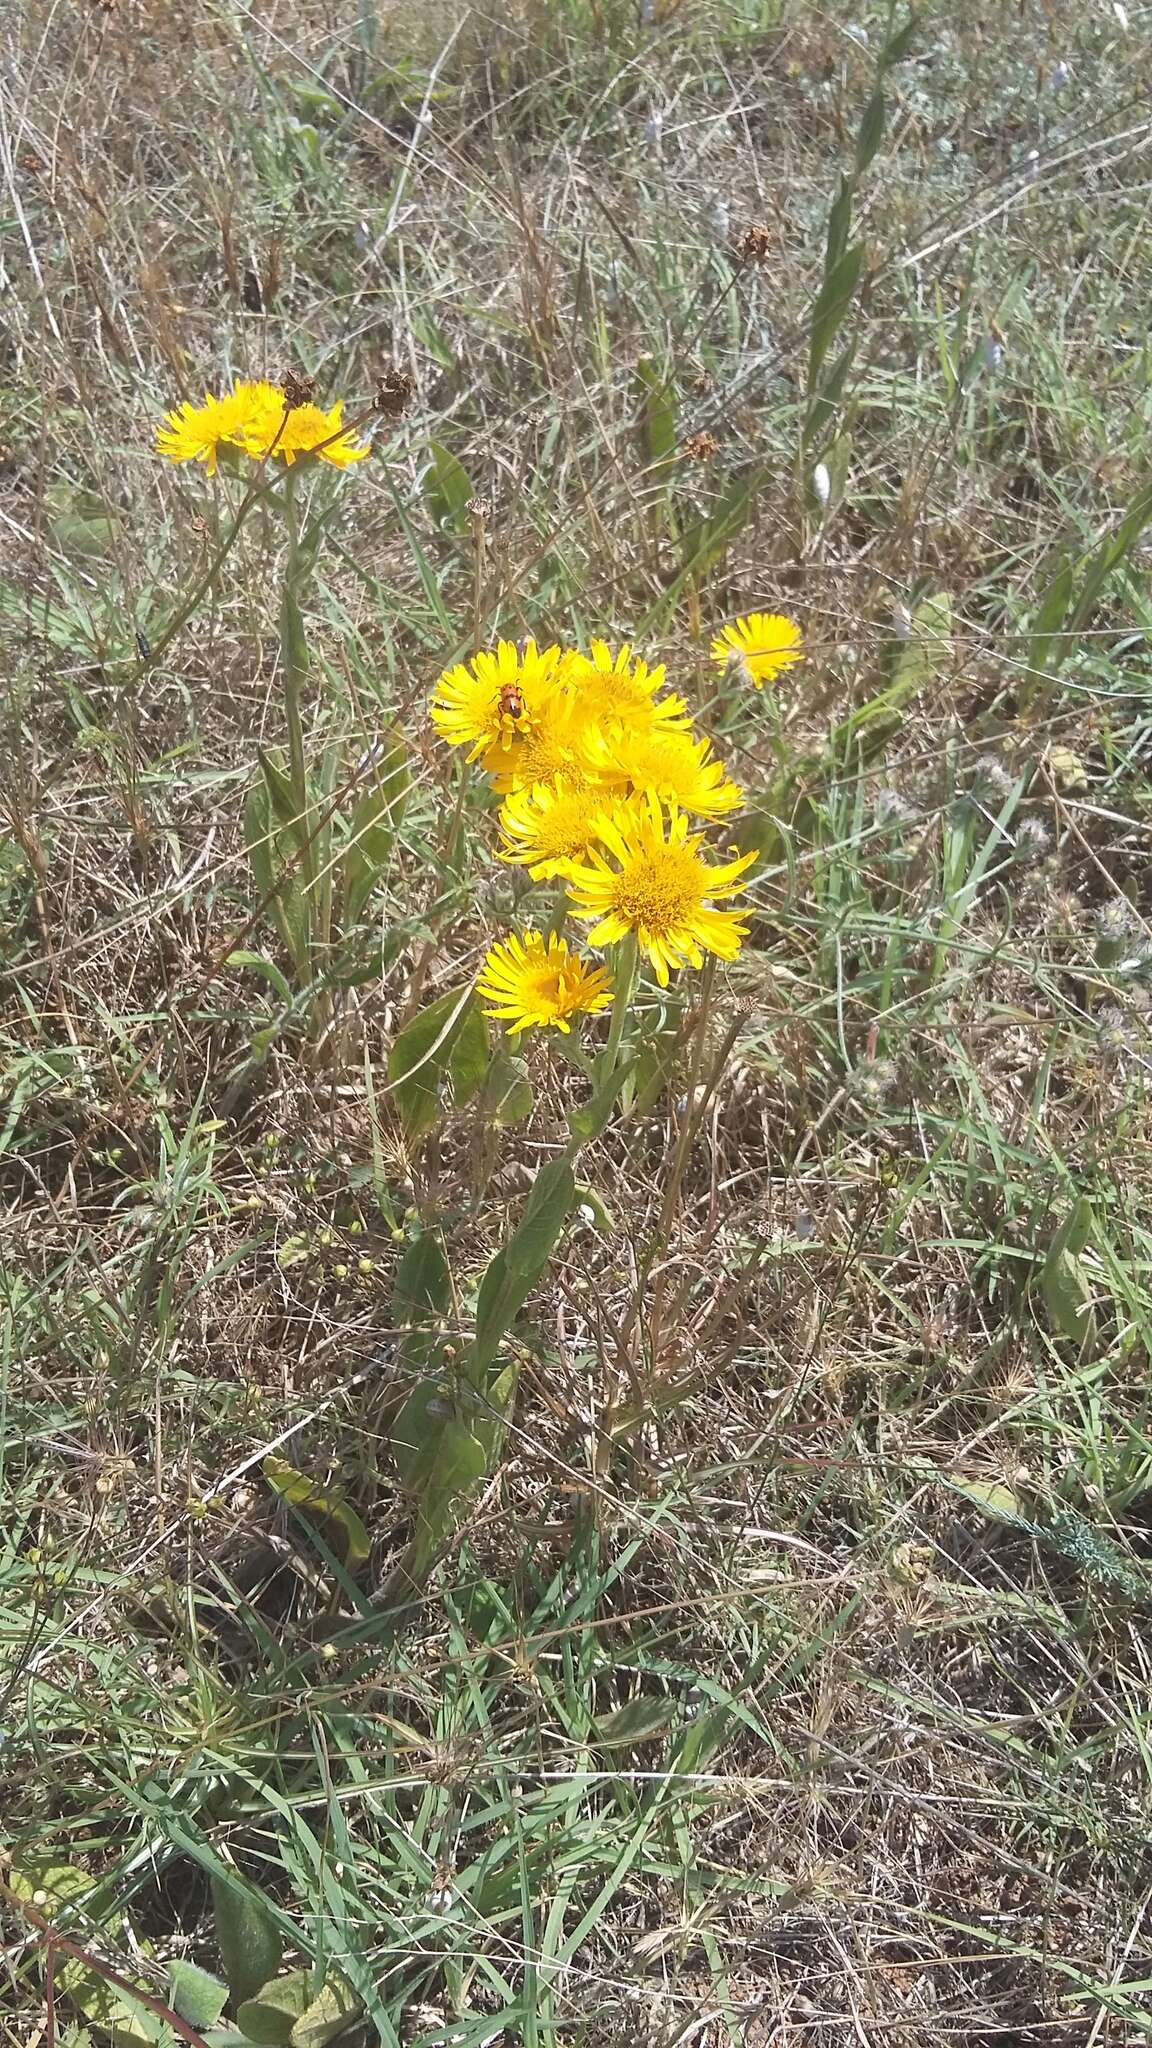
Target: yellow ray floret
648	877
670	765
254	417
547	827
532	982
764	644
493	701
609	683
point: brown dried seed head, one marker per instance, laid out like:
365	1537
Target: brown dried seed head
756	243
700	447
298	390
394	388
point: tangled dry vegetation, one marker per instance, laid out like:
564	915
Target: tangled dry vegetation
785	1675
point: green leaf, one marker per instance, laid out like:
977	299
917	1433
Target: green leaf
832	303
1043	649
341	1526
514	1271
657	411
293	638
197	1997
259	963
439	1460
422	1288
826	397
508	1096
706	540
1065	1285
47	1885
898	45
468	1056
273	854
372	830
588	1122
130	2023
839	223
281	796
918	658
448	489
871	130
270	2016
330	2014
992	1497
72	534
247	1937
421	1055
638	1720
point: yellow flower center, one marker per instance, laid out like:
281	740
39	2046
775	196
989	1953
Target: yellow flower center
565	826
660	889
536	755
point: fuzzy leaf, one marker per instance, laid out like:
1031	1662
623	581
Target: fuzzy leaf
517	1267
372	830
270	2016
197	1997
448	489
420	1056
247	1937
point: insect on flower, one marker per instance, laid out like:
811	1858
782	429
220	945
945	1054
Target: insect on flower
511	702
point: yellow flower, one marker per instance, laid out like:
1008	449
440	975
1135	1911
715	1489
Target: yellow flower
252	417
618	685
672	765
764	643
196	433
660	888
549	826
536	982
266	428
490	701
540	746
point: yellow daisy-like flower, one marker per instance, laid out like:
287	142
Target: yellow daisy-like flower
253	418
494	700
267	430
606	684
536	982
670	765
652	880
196	433
549	826
763	643
542	745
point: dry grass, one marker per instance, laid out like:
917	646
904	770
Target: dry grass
821	1483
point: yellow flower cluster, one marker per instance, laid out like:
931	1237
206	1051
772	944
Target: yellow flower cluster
600	773
256	418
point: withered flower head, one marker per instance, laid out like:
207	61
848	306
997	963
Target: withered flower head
756	243
298	391
394	388
700	447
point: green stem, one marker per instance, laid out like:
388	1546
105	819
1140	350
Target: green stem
627	960
294	666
